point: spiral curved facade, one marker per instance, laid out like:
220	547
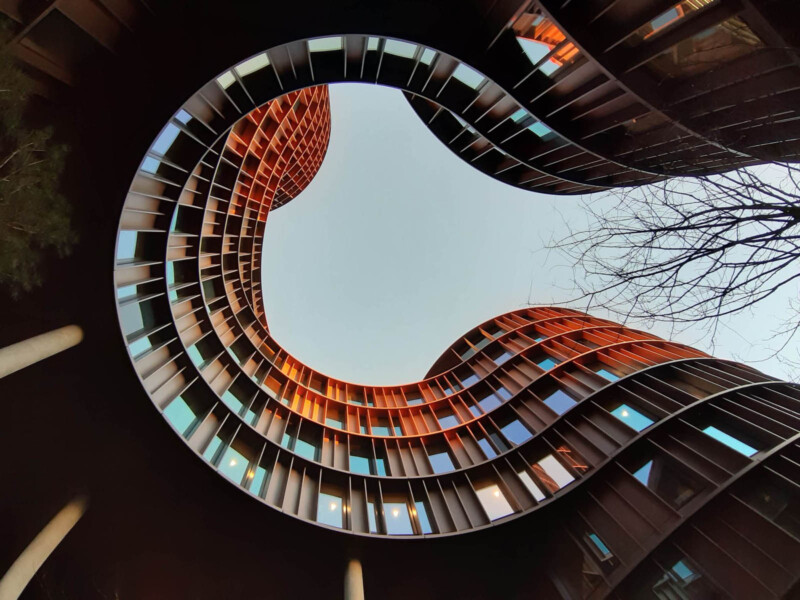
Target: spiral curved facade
650	448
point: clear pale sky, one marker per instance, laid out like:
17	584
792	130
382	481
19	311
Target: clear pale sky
398	247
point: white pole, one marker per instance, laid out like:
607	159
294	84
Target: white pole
353	581
24	568
25	353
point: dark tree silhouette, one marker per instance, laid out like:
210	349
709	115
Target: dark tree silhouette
690	250
34	216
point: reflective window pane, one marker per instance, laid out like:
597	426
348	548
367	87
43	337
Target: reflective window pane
398	521
494	502
329	510
560	402
632	417
730	441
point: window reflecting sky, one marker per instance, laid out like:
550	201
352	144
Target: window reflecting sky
398	247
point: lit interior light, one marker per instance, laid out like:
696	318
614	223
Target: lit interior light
333	505
395	513
233	462
250	474
625	413
497	493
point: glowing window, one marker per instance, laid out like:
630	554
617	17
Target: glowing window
398	521
532	487
226	79
494	502
632	417
427	56
329	510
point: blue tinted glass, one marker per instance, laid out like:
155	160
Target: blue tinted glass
195	355
503	393
412	400
599	544
536	51
126	247
232	401
180	415
682	570
360	464
560	402
489	402
380	430
475	410
486	447
257	480
397	519
373	527
516	432
519	115
665	18
305	449
540	129
140	346
441	462
607	374
468	381
547	363
447	421
398	430
329	510
643	474
730	441
233	465
286	440
212	448
422	515
503	357
363	429
380	467
632	417
331	422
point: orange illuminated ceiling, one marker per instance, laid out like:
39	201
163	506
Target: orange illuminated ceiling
538	28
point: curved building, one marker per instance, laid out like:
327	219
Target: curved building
546	453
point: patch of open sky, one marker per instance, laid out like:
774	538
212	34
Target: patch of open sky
398	247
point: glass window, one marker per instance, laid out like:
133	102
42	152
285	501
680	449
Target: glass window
532	487
360	464
494	502
486	447
546	363
501	356
498	441
232	401
150	165
519	115
560	402
140	346
729	441
381	430
380	466
422	517
130	316
516	432
468	381
468	76
251	65
606	374
329	510
540	129
441	462
632	417
489	402
552	473
447	419
473	408
211	449
398	430
666	482
504	393
599	546
225	81
371	512
233	465
195	355
325	44
398	48
306	449
536	51
398	521
413	398
331	422
256	479
180	415
427	56
372	43
167	137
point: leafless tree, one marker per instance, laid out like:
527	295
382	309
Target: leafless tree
690	250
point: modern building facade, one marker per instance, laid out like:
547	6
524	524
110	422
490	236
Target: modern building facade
546	453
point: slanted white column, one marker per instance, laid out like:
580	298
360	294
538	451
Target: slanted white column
353	581
24	568
25	353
